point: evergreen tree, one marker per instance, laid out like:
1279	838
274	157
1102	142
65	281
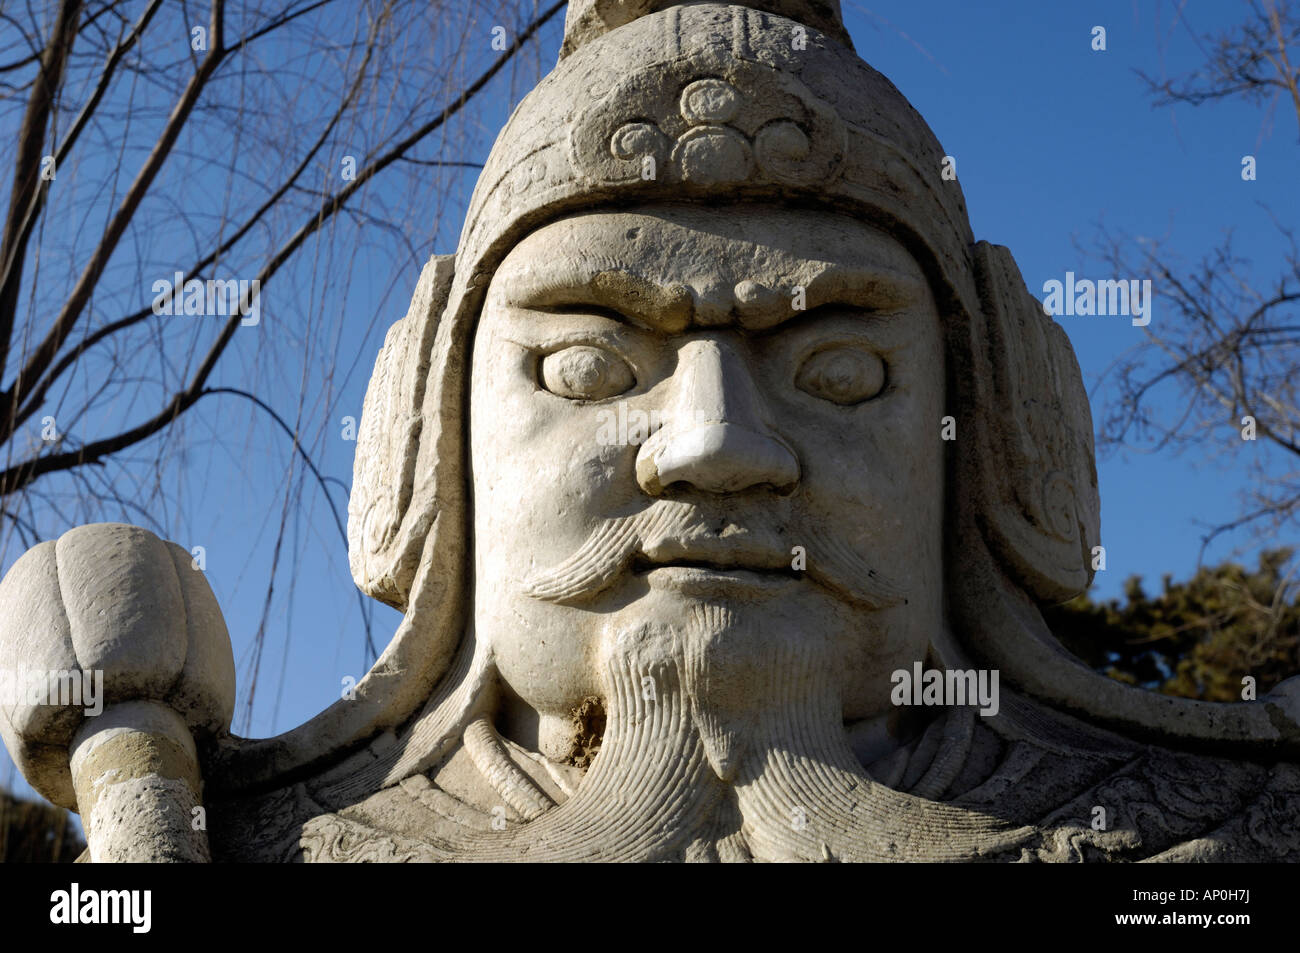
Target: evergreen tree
1196	639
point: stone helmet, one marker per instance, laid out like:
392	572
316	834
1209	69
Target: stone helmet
709	102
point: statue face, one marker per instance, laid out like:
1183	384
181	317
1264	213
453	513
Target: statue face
678	408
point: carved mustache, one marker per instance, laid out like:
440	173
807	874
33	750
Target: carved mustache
671	529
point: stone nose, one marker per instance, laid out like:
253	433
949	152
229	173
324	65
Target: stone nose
715	437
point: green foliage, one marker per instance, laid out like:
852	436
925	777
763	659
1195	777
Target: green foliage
1196	639
31	832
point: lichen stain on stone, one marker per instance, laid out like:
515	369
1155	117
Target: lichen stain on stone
588	721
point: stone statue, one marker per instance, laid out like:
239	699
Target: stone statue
719	475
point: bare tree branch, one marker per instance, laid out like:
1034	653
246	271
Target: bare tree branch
45	352
20	475
28	184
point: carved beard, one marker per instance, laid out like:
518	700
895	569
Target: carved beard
725	740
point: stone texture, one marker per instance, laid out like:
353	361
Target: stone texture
117	603
653	467
136	772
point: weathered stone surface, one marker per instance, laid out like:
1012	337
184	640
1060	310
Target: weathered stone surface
127	618
655	466
137	780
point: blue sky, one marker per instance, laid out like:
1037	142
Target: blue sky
1051	139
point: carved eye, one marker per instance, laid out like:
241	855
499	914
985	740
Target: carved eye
842	375
585	373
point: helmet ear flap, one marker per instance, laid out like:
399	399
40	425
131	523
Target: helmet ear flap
386	532
1034	462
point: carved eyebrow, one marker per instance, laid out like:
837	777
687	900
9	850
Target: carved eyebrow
625	293
873	287
639	300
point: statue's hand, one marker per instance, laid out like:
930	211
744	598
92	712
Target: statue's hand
113	657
